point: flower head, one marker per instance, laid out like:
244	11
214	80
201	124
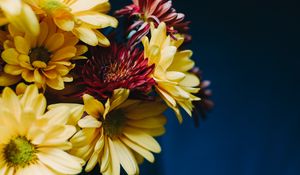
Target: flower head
174	83
205	93
118	132
43	60
146	11
33	141
82	17
5	79
116	67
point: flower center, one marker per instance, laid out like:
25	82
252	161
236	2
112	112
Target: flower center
39	54
115	72
114	123
19	152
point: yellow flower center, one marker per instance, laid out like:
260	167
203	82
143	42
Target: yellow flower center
114	123
39	54
19	152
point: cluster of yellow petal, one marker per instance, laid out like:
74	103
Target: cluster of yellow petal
120	132
44	59
5	79
174	82
81	17
34	141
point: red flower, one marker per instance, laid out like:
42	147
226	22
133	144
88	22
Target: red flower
145	11
116	67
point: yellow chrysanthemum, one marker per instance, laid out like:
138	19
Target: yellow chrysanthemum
19	14
45	59
82	17
32	141
5	79
118	133
174	83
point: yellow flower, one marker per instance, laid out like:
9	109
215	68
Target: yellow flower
5	79
118	133
19	14
45	59
33	141
174	83
82	17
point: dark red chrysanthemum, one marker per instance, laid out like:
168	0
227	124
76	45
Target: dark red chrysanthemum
143	12
116	67
205	104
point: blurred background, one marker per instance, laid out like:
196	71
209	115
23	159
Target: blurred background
250	52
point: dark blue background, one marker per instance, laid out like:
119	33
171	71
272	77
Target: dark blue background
250	52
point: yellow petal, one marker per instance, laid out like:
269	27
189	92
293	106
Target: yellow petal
38	77
89	122
142	151
58	115
22	45
114	158
57	83
12	69
55	42
65	23
39	64
10	56
11	102
142	139
145	110
98	19
175	76
83	5
182	61
43	34
126	157
167	56
103	41
86	35
151	122
28	75
190	80
59	160
119	96
8	80
92	106
64	53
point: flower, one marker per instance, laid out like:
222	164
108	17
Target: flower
173	81
19	14
118	133
5	79
33	141
205	104
144	12
45	59
113	68
82	17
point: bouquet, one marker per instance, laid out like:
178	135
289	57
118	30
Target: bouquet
79	93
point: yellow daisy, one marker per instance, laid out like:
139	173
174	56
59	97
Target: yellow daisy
33	141
19	14
118	133
174	82
45	59
5	79
82	17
